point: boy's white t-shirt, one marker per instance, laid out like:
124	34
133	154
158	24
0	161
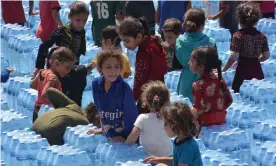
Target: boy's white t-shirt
153	136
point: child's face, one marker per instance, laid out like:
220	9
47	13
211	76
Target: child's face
170	37
78	21
131	42
111	69
168	130
63	68
194	67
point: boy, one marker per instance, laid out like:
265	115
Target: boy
171	30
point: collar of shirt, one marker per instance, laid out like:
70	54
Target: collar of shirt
101	82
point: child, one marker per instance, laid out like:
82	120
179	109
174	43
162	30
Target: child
72	36
211	94
194	20
50	19
111	40
113	98
52	125
150	58
104	13
226	15
171	30
62	60
180	121
249	47
5	74
149	125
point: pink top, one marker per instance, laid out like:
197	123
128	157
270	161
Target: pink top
46	75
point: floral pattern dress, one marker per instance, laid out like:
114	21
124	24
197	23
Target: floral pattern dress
211	99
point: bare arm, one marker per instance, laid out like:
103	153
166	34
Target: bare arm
33	83
133	136
156	160
31	7
56	16
120	17
229	63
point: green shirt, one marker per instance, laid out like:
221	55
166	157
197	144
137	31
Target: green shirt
103	13
52	125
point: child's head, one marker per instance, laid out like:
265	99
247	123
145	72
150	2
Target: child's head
110	37
91	113
205	59
171	30
109	64
62	60
248	14
78	14
194	20
179	120
132	31
154	96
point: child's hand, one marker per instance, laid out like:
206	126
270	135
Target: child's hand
9	69
95	131
210	17
152	159
90	67
118	139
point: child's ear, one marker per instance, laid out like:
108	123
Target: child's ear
99	70
139	36
69	16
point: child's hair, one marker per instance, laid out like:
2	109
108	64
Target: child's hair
208	56
110	32
248	14
193	19
91	112
133	26
105	54
78	7
62	54
172	25
181	118
154	96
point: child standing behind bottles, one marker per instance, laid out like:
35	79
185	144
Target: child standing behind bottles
62	60
150	125
249	47
194	20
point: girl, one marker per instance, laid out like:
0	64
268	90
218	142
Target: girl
211	94
113	98
62	60
150	58
151	128
72	36
194	20
180	122
249	47
111	40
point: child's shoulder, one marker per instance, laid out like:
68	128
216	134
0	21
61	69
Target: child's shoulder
197	85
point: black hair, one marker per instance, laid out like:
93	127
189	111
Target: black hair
110	33
133	26
248	14
208	56
78	7
193	19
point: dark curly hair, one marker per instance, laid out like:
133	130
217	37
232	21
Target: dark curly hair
78	7
248	14
181	119
105	54
155	95
194	18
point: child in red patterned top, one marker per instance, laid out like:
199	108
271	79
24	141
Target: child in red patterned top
150	58
211	94
62	60
249	46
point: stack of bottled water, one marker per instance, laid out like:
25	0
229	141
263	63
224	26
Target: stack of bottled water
44	108
63	155
171	80
264	131
11	120
268	26
88	30
64	14
100	151
4	106
264	154
269	68
91	53
273	51
132	163
179	98
199	4
4	63
3	163
131	55
20	147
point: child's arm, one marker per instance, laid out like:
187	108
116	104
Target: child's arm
228	100
127	66
51	83
130	112
133	136
265	50
5	75
92	64
156	160
57	98
198	98
235	50
119	11
31	6
223	10
55	12
33	83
